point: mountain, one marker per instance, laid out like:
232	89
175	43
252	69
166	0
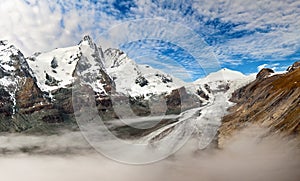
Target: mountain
60	67
221	75
213	91
36	92
224	80
21	97
37	95
270	101
137	80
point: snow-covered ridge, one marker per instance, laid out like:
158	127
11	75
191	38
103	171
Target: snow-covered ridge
59	68
221	75
134	79
224	80
56	69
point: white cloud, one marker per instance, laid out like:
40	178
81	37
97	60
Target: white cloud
279	20
36	25
274	66
261	66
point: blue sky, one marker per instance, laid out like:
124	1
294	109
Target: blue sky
185	38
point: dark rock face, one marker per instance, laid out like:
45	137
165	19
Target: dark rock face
142	81
54	64
139	106
202	94
263	73
23	106
295	66
179	100
29	95
164	79
271	102
63	100
51	81
106	80
6	103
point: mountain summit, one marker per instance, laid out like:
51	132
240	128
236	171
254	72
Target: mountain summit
37	91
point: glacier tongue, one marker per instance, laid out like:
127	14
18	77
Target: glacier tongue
114	70
204	121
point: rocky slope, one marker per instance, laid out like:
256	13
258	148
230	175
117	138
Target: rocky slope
36	92
271	101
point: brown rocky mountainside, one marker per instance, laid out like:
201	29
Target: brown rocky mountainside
269	101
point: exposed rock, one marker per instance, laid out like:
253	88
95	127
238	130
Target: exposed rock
142	81
139	106
294	66
207	87
202	94
164	79
63	100
179	100
54	63
23	106
114	60
263	73
223	87
29	94
6	103
272	102
51	81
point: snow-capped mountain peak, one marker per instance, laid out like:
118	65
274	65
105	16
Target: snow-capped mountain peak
224	80
137	80
60	67
221	75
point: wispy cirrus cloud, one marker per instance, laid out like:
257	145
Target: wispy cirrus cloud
238	32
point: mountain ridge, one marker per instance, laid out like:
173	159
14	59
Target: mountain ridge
44	96
270	101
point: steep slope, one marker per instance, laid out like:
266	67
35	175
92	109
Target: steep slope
137	80
21	98
269	101
60	67
224	80
203	121
36	93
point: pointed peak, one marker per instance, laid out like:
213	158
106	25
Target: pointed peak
87	39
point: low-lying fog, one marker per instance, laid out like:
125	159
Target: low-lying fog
245	158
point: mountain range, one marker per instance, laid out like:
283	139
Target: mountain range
36	93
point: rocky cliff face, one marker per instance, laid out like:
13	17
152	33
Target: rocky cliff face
36	93
269	101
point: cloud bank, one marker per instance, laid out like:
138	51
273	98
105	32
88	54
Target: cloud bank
246	157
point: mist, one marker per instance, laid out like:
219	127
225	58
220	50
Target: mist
248	156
